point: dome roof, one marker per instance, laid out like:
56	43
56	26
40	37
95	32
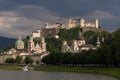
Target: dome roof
19	42
12	49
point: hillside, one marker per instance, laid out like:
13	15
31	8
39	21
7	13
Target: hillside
54	44
108	55
6	42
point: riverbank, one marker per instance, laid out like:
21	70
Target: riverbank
10	68
114	72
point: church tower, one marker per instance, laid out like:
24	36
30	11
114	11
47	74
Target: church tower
75	46
80	36
43	44
81	39
31	44
98	42
37	48
64	46
82	21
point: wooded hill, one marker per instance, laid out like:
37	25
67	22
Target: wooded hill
107	55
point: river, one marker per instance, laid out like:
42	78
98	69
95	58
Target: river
40	75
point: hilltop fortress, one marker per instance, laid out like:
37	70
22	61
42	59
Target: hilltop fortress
39	49
51	30
72	23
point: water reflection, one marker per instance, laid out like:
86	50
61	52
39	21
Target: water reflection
39	75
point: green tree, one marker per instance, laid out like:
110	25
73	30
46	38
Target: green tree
115	52
28	60
69	34
37	62
116	34
10	60
18	59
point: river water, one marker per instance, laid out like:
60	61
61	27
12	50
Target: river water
40	75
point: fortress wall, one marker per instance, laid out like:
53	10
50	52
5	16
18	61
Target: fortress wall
92	29
51	32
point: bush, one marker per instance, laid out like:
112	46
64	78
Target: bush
18	59
10	60
28	60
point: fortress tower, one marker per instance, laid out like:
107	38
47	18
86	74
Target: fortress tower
72	23
69	23
82	21
96	23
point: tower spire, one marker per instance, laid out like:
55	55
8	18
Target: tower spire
19	37
43	40
80	35
31	38
98	42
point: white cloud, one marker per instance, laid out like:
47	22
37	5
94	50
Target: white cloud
14	23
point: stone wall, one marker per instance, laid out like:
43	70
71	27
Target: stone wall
84	29
4	57
52	32
72	23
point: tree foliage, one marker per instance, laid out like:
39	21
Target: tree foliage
18	59
28	60
10	60
107	55
69	34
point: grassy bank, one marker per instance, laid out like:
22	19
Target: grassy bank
10	67
114	72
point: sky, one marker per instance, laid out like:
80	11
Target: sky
21	17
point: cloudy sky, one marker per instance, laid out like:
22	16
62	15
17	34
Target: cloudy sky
21	17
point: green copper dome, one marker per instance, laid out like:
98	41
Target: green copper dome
19	42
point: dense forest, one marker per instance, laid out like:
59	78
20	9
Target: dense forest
6	43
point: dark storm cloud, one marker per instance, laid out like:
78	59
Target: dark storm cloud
66	8
70	7
107	11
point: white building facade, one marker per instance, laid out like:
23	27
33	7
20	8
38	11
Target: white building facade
38	48
77	45
71	23
37	34
56	25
